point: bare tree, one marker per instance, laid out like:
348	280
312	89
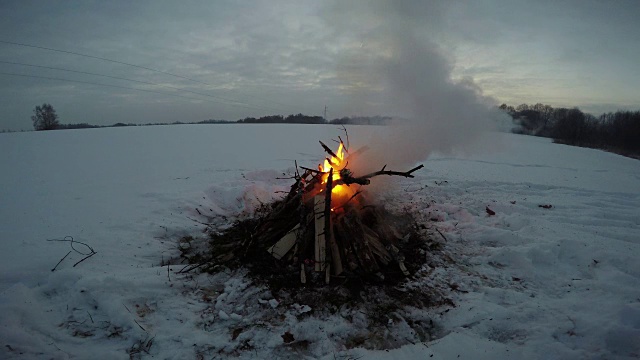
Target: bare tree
45	118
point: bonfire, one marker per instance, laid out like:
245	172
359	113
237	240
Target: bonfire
324	227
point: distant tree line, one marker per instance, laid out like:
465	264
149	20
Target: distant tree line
362	120
77	126
212	121
618	132
306	119
45	118
279	119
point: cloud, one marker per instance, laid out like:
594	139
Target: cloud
289	57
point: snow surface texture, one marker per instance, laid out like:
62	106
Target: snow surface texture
531	282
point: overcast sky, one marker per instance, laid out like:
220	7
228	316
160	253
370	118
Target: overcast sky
235	59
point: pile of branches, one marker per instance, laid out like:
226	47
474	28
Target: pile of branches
323	229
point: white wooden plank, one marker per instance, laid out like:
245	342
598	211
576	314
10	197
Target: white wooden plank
282	247
321	250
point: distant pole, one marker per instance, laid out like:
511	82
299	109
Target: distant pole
325	113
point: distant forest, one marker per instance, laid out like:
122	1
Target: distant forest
305	119
269	119
617	132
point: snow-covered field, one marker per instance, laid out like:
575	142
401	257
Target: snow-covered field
531	282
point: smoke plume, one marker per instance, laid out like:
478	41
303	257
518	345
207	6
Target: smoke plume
391	64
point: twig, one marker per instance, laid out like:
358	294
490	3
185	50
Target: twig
344	146
328	150
351	198
71	241
192	267
186	266
136	321
347	179
54	268
312	170
84	258
148	344
346	133
199	222
389	172
327	217
445	239
364	180
327	204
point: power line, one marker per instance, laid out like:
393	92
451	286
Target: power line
123	63
103	59
229	101
98	84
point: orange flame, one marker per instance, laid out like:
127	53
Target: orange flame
340	193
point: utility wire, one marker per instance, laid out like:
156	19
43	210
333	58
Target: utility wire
230	101
98	84
122	63
103	59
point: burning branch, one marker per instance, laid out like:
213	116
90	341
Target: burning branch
346	133
314	171
388	172
347	179
328	150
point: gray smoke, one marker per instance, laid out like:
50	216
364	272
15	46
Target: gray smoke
398	69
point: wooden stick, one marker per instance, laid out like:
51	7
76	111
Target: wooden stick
345	147
348	180
376	245
389	172
312	170
327	204
395	252
351	198
345	244
320	242
353	229
327	274
285	244
326	231
54	268
403	268
329	151
328	228
364	180
85	258
295	187
346	134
